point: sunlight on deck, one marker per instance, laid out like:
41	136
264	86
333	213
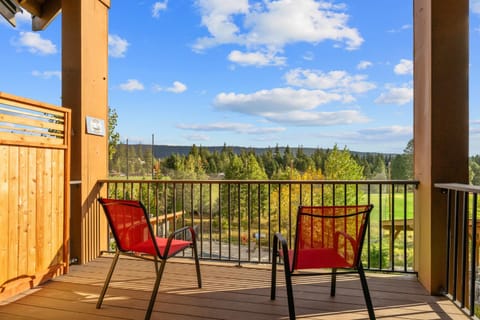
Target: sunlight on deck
229	292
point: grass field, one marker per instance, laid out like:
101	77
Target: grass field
385	202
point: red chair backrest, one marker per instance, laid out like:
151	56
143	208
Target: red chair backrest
128	222
319	227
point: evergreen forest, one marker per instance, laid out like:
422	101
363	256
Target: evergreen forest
276	163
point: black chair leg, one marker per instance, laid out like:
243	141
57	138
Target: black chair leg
278	239
107	280
159	273
274	269
366	292
291	305
333	284
197	264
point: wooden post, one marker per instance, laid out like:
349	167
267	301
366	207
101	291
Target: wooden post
84	90
440	125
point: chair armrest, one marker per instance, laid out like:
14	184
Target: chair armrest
175	233
278	238
183	229
353	242
347	236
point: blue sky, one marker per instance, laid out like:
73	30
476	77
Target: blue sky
249	73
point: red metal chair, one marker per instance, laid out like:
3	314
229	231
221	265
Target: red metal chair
326	237
134	236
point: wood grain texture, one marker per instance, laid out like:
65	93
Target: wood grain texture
228	292
33	193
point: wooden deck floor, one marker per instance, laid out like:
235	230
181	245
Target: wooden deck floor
229	292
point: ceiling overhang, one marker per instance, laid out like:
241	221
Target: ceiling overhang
8	9
43	11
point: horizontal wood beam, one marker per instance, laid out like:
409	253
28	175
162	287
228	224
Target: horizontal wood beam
32	6
43	12
50	9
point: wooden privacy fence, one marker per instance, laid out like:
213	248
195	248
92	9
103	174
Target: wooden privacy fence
34	192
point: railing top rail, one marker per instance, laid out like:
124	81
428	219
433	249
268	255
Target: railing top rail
458	187
405	182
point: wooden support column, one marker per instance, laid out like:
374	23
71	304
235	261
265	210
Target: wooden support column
84	90
440	125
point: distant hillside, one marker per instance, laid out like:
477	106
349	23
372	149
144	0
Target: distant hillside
163	151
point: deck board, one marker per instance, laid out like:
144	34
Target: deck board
229	292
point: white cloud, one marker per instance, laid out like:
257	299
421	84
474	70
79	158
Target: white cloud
362	65
197	137
222	7
47	74
257	26
243	128
117	46
177	87
337	81
258	59
132	85
404	27
217	16
388	135
302	21
288	106
405	66
36	44
278	100
315	118
23	17
157	7
396	95
383	133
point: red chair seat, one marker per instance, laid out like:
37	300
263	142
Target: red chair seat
149	248
317	259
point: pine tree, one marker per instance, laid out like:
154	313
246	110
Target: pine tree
340	165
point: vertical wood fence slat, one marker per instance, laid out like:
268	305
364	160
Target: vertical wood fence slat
23	211
32	214
12	212
3	212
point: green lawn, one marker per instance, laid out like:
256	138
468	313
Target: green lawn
384	203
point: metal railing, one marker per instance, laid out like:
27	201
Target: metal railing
236	220
462	283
